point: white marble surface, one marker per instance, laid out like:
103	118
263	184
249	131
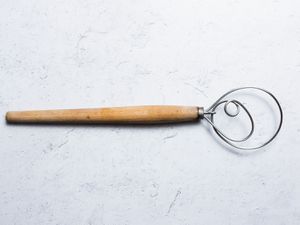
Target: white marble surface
89	53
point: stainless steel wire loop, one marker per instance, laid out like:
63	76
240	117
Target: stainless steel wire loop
209	114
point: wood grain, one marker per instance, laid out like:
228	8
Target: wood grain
131	114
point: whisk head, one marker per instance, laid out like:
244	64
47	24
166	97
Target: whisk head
210	113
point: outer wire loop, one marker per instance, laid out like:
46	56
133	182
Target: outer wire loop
211	112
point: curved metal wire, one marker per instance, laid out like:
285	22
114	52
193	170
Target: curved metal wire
211	112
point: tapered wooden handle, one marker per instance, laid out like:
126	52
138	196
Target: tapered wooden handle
132	114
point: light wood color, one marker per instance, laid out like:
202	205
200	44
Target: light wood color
132	114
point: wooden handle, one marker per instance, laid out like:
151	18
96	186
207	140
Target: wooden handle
133	114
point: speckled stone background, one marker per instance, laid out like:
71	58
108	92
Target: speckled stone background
90	53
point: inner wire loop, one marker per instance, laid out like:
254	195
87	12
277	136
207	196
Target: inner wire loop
209	114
